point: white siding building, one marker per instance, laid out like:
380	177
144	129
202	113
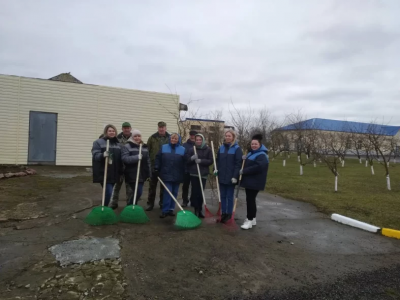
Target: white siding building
71	116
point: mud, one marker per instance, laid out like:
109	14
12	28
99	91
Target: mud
292	247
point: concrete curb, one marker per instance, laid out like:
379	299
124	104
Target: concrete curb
355	223
391	233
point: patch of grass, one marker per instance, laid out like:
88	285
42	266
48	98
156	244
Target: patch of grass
360	195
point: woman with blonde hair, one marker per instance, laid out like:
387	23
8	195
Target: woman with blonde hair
99	154
229	162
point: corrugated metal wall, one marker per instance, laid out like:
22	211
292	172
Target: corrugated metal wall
82	110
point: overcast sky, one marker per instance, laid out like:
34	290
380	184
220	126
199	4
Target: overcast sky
331	59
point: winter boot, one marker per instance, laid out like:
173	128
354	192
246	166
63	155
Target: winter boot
171	213
149	207
221	218
163	215
200	214
227	218
114	206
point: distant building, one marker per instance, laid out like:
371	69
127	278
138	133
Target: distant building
211	129
55	121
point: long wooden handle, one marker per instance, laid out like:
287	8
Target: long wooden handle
201	182
159	179
215	168
105	176
238	186
137	176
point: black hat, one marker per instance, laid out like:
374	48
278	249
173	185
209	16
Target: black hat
193	132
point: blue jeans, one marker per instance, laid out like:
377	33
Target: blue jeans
109	191
139	192
168	202
227	191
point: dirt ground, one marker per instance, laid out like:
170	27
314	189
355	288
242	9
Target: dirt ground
293	253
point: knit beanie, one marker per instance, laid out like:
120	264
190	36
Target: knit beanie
136	132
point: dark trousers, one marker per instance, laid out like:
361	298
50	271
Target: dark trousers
251	203
196	198
153	189
185	188
139	191
109	191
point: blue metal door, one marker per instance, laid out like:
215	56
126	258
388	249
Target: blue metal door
42	138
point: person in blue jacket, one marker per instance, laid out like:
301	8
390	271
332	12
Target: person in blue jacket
170	167
254	177
229	162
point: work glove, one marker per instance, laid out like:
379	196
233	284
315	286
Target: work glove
194	157
215	172
140	156
106	153
241	172
234	180
198	161
244	157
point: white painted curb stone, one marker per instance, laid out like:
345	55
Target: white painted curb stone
354	223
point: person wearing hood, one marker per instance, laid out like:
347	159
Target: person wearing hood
99	154
170	167
204	159
254	177
130	158
186	181
229	162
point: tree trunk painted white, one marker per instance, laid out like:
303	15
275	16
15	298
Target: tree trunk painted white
336	183
301	170
340	159
342	163
388	164
273	158
360	161
366	163
388	182
280	153
288	156
307	156
284	162
315	164
372	170
298	158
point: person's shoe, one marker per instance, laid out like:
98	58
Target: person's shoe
163	215
221	218
247	225
200	214
149	207
184	204
114	206
253	222
227	218
171	213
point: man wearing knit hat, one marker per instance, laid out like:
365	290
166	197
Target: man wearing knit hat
186	181
155	142
123	138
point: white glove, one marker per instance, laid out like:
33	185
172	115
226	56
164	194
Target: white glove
198	161
244	157
215	172
241	172
194	157
234	180
106	153
140	156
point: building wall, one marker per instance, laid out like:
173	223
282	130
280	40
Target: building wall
206	127
82	110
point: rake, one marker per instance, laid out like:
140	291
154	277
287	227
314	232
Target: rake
219	195
184	219
208	214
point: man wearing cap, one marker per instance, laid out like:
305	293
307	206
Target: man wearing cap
161	137
186	181
123	138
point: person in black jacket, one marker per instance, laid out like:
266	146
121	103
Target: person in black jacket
170	167
204	159
229	162
186	181
130	158
115	167
254	177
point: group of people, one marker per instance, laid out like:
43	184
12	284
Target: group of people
166	158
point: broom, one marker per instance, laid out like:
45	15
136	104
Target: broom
219	195
231	222
134	213
184	219
102	215
208	214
